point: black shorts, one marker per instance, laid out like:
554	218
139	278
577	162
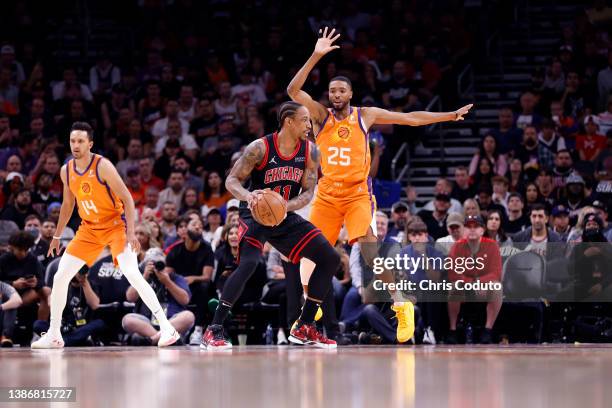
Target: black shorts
290	238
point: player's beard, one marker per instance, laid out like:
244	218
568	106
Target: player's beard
338	106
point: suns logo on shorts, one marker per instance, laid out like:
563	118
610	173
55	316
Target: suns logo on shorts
85	189
344	132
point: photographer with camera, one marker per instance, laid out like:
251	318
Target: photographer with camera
173	293
78	322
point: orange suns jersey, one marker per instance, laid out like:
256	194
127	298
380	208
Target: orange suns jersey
99	207
344	147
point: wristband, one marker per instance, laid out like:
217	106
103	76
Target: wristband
58	238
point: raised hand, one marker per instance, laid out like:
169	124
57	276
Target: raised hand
462	111
325	42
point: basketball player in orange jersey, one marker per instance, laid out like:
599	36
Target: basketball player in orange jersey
107	216
344	193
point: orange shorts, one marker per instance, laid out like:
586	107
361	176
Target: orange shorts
88	242
337	204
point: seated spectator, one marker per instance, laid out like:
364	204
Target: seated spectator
488	149
78	320
494	229
554	82
150	107
20	209
134	155
604	80
507	136
475	245
605	118
462	190
529	152
561	222
590	260
221	158
471	207
169	214
500	192
204	125
213	227
247	91
187	103
574	197
436	219
532	195
590	144
47	230
8	92
135	186
602	212
173	132
566	126
548	194
146	174
194	260
7	60
190	201
484	174
111	110
564	167
171	289
528	116
573	97
103	76
13	183
33	225
69	79
144	235
27	150
400	216
517	219
164	164
25	273
9	302
214	195
181	232
161	126
454	226
537	237
516	177
485	202
226	104
185	164
176	188
549	143
443	186
44	193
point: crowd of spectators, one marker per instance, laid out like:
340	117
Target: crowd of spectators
206	78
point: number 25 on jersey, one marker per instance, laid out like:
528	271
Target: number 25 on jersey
339	156
89	205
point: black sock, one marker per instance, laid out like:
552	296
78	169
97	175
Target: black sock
309	311
221	313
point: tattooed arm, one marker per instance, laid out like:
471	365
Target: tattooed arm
309	180
252	157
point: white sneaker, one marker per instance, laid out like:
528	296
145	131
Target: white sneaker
196	337
428	336
168	337
281	338
48	341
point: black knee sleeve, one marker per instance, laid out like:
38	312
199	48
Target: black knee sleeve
235	283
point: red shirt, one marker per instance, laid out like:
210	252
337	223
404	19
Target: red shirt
155	182
485	265
590	145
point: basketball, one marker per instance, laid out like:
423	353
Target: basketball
270	210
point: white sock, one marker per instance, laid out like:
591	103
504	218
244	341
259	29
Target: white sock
306	269
128	264
68	267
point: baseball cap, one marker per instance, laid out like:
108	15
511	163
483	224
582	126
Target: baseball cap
154	255
400	204
443	197
233	204
559	210
599	205
575	178
473	219
591	118
7	49
14	174
455	219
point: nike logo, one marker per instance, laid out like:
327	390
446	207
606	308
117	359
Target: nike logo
91	173
273	160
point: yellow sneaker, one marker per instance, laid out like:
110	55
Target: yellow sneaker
319	314
404	312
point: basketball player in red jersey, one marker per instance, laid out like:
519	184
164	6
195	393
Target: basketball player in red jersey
344	193
107	216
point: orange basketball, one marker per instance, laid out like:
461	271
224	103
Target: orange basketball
270	210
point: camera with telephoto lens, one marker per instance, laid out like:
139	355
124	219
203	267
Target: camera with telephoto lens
159	266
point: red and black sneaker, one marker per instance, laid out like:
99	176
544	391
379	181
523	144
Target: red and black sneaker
214	339
308	335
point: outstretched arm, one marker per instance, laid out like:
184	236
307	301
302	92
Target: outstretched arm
252	157
323	46
109	174
378	116
309	180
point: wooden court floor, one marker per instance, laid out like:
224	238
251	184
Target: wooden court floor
369	376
